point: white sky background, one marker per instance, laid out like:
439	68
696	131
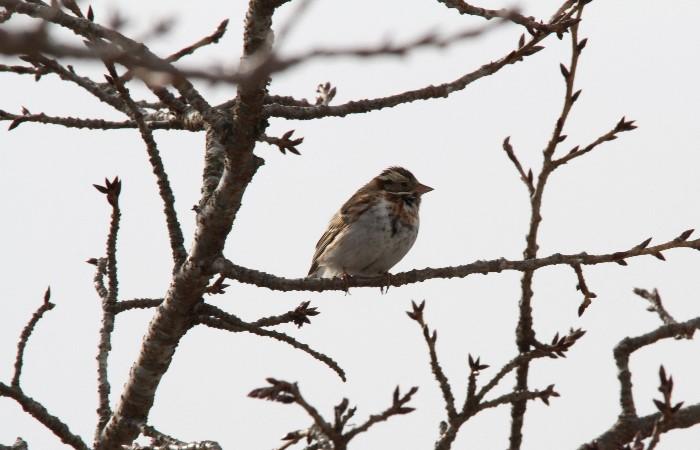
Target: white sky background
640	62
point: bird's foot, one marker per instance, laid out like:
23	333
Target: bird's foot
346	277
388	278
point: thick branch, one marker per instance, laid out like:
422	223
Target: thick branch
237	136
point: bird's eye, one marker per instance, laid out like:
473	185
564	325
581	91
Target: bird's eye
404	184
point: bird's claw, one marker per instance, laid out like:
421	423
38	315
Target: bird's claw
346	277
388	278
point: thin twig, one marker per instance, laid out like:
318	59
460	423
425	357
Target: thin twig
108	298
657	306
430	339
24	336
212	316
588	296
166	194
528	22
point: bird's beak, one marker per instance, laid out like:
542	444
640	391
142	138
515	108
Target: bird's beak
423	189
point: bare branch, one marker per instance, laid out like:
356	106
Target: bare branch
670	416
625	430
166	193
417	315
207	40
524	331
107	265
657	306
37	410
273	282
24	337
521	396
19	444
299	316
528	22
101	92
398	407
526	178
429	92
214	317
627	346
622	126
137	303
583	287
284	143
105	43
285	392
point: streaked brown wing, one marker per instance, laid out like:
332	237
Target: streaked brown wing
356	205
336	225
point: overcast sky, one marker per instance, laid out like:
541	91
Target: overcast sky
640	62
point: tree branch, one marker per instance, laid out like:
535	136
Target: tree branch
108	297
24	336
212	316
430	92
417	315
273	282
627	346
528	22
37	410
166	193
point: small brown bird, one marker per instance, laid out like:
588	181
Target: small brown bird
373	230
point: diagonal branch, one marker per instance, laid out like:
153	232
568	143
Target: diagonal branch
26	333
166	193
130	52
657	306
430	92
213	317
103	94
430	339
622	126
207	40
39	412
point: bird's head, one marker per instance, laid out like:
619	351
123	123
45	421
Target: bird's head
398	180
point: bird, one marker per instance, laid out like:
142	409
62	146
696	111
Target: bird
373	230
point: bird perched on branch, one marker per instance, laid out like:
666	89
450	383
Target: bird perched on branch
373	230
